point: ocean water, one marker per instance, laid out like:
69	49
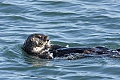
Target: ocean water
77	23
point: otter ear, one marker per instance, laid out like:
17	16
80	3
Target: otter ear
46	38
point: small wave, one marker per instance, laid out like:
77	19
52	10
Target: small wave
16	18
57	13
11	8
4	4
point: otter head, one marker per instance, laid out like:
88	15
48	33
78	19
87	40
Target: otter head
37	44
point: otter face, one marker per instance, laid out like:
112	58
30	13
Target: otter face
37	44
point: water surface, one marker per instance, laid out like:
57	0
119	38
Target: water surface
81	23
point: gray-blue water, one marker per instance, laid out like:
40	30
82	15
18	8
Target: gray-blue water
81	23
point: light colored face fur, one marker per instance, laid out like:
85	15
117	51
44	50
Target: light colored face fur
37	43
40	43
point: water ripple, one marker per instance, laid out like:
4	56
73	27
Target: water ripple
83	23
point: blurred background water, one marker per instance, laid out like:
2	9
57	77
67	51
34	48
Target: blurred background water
81	23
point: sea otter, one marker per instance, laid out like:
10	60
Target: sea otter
39	45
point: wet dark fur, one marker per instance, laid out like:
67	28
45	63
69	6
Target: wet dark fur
39	45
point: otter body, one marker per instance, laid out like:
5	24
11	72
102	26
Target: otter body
39	45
